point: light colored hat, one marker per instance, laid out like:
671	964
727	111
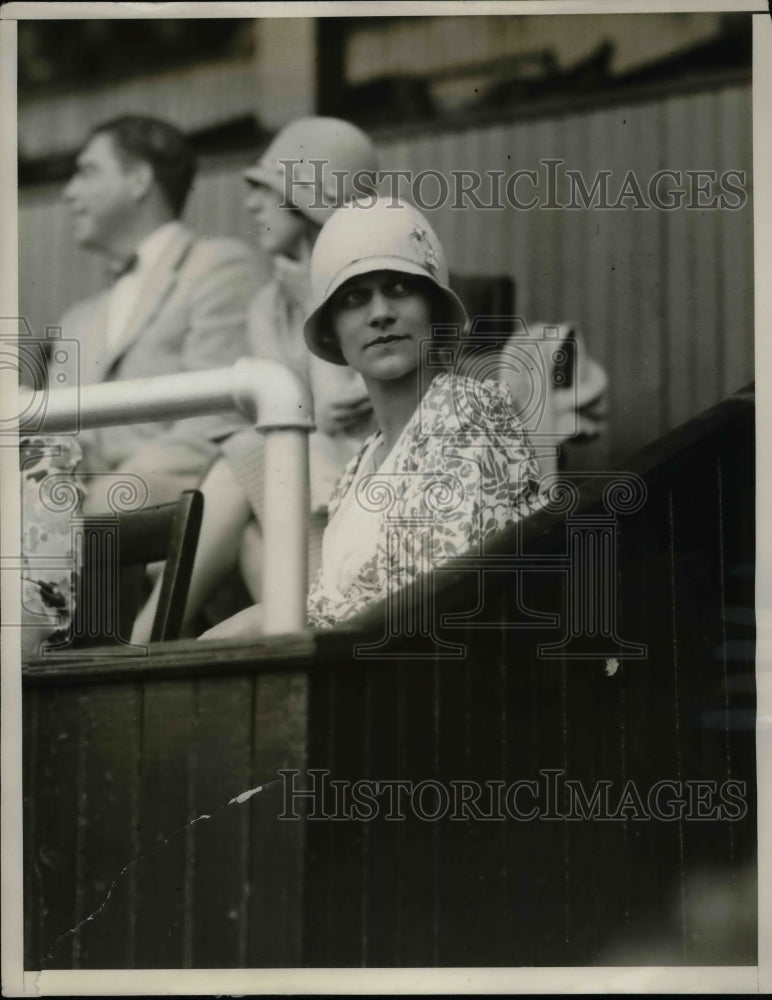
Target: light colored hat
302	162
382	234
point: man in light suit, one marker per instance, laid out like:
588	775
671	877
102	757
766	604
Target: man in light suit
178	301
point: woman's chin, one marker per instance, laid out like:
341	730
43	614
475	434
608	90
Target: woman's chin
388	366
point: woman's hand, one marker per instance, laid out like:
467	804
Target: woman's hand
247	624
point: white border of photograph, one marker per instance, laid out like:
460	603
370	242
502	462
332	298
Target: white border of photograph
16	982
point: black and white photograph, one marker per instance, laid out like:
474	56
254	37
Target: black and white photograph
383	550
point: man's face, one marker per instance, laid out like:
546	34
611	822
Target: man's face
99	195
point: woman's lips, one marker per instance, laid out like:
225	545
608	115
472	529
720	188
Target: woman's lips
386	339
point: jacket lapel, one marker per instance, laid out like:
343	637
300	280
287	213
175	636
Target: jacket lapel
155	290
92	340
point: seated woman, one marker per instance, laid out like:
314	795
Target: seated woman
231	530
449	454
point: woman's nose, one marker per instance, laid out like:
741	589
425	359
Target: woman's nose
380	312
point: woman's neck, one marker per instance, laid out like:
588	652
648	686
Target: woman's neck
295	277
394	403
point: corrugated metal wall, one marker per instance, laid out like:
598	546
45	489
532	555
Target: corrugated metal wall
664	298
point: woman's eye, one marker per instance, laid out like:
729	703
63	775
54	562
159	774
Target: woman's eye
400	287
351	298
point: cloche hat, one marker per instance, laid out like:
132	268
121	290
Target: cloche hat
331	161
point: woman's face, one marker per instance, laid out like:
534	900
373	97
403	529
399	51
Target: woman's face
380	319
280	230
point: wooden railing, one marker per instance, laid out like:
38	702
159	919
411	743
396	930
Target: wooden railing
144	847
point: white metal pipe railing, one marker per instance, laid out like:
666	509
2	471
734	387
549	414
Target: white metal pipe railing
267	392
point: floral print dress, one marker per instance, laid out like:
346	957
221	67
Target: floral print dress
462	469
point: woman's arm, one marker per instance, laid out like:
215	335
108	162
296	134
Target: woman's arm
246	625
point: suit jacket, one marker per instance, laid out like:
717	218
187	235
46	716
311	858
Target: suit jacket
190	315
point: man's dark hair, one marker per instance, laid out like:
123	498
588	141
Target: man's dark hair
165	148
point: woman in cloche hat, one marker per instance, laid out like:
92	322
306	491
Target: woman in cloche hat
449	463
312	166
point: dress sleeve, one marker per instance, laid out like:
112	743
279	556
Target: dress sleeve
486	478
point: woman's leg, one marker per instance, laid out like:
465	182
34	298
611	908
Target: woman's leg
248	624
251	560
226	513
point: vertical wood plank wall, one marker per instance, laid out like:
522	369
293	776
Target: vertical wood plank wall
665	298
153	868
